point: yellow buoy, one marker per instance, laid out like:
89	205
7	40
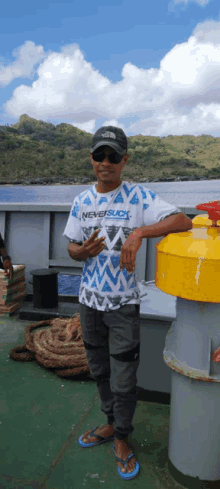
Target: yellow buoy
202	221
188	263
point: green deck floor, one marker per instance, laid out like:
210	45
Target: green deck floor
42	416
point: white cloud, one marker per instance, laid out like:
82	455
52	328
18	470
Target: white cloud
86	126
27	56
208	32
115	123
67	85
181	97
200	2
201	120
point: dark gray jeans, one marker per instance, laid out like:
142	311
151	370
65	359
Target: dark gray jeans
112	342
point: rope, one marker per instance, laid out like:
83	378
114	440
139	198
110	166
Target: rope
59	347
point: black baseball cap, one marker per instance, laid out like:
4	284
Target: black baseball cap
110	136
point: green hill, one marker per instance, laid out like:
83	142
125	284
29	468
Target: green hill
38	151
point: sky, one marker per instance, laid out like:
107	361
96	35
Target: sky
149	67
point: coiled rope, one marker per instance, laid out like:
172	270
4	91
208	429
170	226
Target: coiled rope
59	347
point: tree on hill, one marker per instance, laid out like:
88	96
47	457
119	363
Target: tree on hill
41	149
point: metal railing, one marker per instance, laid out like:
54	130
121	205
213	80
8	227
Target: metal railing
33	235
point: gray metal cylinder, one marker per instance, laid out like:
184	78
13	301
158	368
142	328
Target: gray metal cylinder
194	437
194	434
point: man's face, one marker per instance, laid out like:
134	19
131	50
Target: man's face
105	171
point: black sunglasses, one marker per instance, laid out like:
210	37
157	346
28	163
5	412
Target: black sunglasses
99	156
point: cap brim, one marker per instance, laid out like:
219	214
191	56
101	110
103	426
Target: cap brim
111	144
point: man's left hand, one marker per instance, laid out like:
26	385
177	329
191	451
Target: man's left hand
129	250
8	268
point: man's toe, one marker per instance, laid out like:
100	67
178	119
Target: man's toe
121	467
131	466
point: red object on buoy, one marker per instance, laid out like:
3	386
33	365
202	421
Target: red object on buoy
213	209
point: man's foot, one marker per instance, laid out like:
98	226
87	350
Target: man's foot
122	451
105	430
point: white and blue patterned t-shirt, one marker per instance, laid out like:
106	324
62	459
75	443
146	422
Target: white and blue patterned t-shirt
117	213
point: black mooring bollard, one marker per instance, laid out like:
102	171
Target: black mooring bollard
45	288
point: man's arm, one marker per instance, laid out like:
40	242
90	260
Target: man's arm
7	266
175	223
172	224
91	247
73	250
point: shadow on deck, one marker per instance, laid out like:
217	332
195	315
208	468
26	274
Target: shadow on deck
42	416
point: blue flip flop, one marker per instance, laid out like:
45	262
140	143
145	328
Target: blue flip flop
101	439
126	475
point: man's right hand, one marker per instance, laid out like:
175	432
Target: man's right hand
91	247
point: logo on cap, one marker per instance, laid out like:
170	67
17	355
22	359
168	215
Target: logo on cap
108	134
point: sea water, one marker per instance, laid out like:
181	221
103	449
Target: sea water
177	193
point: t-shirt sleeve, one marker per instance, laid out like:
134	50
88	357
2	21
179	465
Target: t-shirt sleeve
73	229
156	209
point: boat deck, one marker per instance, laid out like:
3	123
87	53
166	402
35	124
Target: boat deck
42	417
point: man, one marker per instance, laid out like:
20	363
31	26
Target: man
106	226
5	263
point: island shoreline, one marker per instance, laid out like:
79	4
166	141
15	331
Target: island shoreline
87	181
